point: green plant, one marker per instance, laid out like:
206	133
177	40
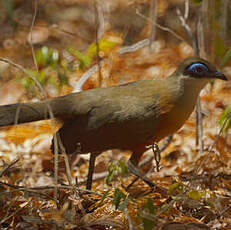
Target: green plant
225	119
115	169
51	70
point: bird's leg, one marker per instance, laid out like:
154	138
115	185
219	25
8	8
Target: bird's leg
133	168
91	170
136	171
157	157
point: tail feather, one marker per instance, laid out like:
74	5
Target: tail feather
22	113
59	107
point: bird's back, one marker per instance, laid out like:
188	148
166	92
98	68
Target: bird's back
116	117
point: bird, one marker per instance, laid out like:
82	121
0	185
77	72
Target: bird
130	116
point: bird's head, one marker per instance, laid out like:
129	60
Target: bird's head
198	68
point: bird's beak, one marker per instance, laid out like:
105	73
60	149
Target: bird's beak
219	75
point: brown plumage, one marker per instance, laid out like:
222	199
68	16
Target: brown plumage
128	117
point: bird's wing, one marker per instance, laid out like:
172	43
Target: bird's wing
116	117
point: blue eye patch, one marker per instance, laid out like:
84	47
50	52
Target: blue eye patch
197	69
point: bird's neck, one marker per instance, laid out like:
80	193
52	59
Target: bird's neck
185	94
187	89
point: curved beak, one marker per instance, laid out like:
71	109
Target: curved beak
219	75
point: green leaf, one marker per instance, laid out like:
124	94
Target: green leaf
62	78
123	205
41	76
149	206
103	45
27	82
122	167
41	56
148	211
225	58
85	60
111	172
47	57
116	169
225	119
118	197
195	195
175	186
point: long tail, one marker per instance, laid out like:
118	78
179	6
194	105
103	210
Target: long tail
34	111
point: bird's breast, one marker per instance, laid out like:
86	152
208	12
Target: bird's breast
175	108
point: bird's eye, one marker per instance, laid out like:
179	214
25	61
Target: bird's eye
197	68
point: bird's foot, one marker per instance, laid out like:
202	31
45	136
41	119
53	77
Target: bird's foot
136	171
